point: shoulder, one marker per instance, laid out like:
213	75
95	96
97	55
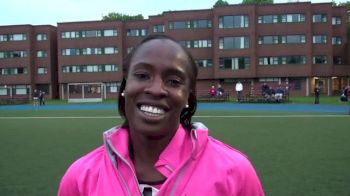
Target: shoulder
88	161
80	170
233	167
227	153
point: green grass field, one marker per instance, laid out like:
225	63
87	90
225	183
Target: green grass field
306	155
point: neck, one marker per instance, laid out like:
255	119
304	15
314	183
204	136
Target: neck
145	152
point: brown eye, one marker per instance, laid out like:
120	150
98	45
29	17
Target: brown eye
141	76
174	82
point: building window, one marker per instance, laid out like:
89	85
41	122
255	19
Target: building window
293	39
293	60
89	51
3	38
288	18
319	18
336	20
136	32
41	37
13	71
282	60
17	37
180	25
89	34
268	19
158	29
195	24
21	90
233	22
201	24
233	42
13	37
89	68
203	63
110	50
110	33
41	54
93	33
272	60
234	63
112	87
319	39
13	54
337	60
70	52
268	40
320	59
196	44
70	35
42	70
3	91
336	40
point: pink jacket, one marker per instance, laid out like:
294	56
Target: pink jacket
193	163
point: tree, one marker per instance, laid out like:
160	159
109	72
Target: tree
118	16
258	2
220	3
347	7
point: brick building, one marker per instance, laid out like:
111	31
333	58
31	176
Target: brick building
293	45
28	61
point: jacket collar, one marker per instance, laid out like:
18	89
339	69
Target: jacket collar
183	146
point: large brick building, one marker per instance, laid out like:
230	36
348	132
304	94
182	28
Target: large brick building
28	60
294	45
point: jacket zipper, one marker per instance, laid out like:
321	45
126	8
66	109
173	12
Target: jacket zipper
120	175
183	169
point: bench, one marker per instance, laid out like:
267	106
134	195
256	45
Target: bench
263	99
210	98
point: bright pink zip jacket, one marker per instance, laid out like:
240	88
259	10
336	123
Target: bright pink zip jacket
193	163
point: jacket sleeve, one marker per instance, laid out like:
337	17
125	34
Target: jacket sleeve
250	183
68	185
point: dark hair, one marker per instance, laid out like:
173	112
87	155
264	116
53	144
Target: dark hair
186	113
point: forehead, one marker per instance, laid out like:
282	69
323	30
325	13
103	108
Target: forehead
160	52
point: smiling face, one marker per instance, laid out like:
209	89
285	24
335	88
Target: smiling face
157	88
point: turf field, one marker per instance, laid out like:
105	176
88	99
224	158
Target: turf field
294	153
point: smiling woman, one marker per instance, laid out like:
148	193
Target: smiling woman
157	150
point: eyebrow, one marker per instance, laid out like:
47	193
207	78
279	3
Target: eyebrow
178	72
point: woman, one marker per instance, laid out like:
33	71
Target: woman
157	151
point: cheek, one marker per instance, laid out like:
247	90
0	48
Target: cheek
182	96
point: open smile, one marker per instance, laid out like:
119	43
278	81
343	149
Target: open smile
152	111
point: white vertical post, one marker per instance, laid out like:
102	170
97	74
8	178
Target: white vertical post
62	91
82	90
104	90
307	87
328	86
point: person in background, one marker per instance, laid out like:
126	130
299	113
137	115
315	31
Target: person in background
279	94
212	91
317	91
36	97
158	150
265	89
220	90
239	90
42	98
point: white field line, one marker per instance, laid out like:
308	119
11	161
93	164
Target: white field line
232	116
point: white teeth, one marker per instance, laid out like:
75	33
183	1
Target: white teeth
151	110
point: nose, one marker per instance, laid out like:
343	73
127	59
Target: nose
156	87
